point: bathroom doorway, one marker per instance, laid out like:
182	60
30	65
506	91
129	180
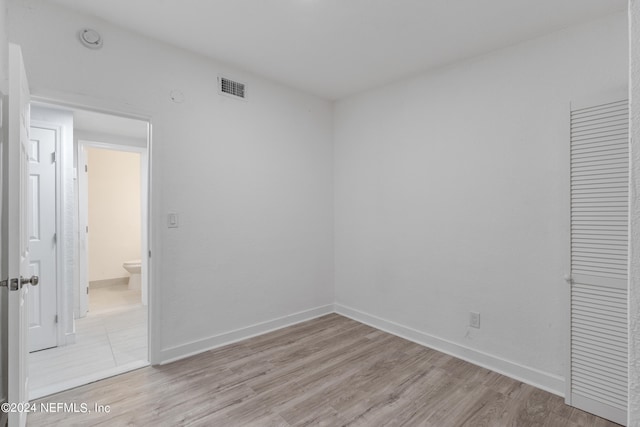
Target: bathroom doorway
103	290
112	238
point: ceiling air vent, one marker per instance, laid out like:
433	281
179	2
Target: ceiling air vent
229	87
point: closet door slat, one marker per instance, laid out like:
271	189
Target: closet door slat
599	257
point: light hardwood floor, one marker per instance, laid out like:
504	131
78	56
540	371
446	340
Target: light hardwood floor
331	371
111	338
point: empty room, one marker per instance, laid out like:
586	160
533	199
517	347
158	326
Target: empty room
362	212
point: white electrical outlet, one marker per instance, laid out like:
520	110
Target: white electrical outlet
474	319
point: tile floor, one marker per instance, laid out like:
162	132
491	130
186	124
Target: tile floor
111	339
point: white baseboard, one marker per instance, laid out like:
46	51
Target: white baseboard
182	351
543	380
104	283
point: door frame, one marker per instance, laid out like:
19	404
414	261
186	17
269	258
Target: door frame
83	213
121	109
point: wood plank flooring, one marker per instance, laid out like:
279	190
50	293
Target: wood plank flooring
330	371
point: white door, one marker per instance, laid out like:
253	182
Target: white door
42	190
17	228
597	378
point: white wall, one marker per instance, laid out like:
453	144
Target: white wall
114	212
634	241
451	196
252	181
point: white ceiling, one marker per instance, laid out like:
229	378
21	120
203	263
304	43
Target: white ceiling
334	48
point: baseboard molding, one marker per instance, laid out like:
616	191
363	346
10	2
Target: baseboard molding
543	380
171	354
108	282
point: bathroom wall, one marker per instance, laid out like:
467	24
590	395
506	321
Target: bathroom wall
114	212
451	197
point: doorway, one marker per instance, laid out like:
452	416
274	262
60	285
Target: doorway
101	199
112	237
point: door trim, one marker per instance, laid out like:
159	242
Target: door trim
74	101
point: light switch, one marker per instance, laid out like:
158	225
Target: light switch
172	220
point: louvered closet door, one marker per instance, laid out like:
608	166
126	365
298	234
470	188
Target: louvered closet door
599	234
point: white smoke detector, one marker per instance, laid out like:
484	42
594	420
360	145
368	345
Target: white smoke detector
90	38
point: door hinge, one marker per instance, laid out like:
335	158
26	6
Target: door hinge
55	238
87	290
86	169
149	254
87	228
53	157
56	319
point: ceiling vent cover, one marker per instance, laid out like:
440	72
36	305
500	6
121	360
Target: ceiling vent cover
232	88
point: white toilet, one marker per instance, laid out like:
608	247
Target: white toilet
134	268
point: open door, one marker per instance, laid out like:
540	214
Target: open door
17	231
43	299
